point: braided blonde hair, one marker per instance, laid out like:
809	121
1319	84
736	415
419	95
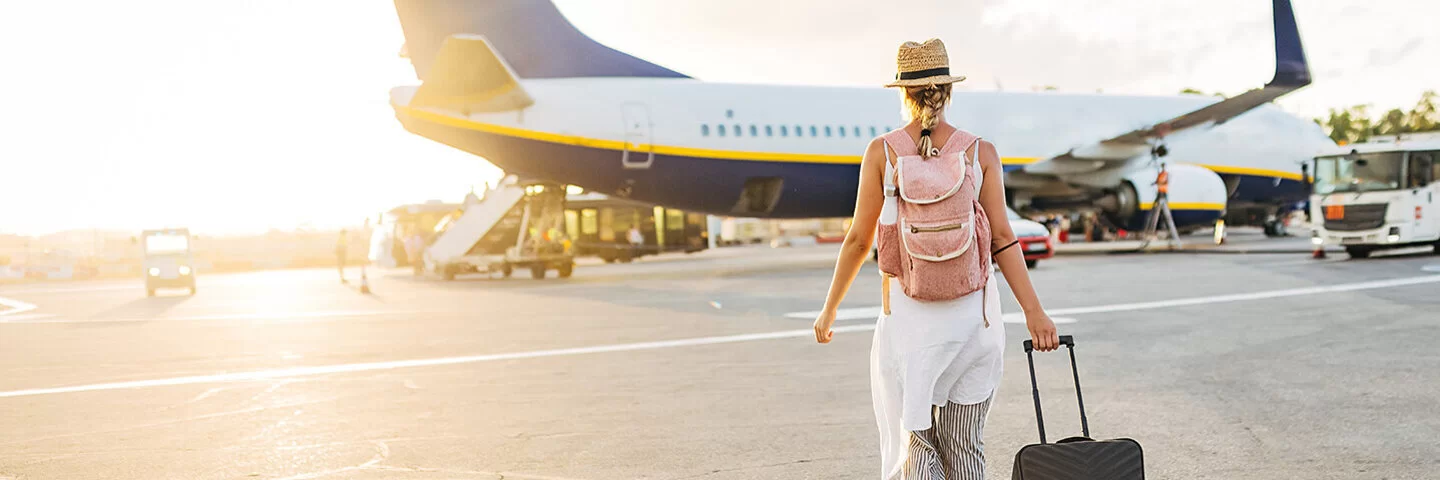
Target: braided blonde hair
925	103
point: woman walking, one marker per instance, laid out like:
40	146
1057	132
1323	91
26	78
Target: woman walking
937	196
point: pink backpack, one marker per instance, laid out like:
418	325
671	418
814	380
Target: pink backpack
938	247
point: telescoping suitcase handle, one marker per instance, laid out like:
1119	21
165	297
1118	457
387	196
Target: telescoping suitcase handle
1069	343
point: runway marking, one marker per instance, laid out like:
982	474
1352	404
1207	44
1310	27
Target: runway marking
684	342
871	313
69	289
49	318
15	306
425	362
874	312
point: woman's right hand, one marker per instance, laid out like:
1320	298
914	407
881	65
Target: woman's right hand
823	324
1042	331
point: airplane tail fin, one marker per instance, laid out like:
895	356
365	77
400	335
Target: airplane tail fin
536	38
468	73
1291	69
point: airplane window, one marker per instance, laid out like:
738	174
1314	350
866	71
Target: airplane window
872	132
814	132
705	130
799	132
784	132
736	130
857	131
753	131
827	130
720	129
769	131
842	131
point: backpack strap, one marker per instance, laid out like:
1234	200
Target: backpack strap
901	141
890	188
973	161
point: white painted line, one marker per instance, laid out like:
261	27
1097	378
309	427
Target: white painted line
26	317
42	318
14	306
874	312
685	342
427	362
97	288
1431	268
1240	297
871	313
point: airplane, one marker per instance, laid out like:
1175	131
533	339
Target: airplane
517	84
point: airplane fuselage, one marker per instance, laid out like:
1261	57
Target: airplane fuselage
794	151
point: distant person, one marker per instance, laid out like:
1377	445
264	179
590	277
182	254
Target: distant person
414	251
342	248
636	240
938	348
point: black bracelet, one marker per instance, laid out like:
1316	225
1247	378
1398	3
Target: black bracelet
997	252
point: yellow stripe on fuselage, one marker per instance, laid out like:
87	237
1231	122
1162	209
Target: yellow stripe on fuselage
468	124
659	149
1259	172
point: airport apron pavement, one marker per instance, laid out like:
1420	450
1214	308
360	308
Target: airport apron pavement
704	366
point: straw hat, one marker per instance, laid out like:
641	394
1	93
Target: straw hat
923	64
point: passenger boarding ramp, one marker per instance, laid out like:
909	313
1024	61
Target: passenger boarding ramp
486	227
516	225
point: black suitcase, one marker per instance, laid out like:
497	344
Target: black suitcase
1075	458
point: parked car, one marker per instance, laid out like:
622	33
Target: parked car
1034	238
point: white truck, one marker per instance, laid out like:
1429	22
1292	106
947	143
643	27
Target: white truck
1375	196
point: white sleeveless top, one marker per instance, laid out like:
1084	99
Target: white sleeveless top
928	353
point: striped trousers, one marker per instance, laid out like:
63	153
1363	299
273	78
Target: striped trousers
952	448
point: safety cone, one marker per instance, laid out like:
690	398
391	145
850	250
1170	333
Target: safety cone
364	280
1319	253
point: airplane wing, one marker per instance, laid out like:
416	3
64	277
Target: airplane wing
1291	73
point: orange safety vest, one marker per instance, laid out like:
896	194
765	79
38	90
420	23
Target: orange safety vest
1163	181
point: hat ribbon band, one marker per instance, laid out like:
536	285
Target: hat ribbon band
934	72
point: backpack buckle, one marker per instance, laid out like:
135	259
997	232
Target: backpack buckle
890	190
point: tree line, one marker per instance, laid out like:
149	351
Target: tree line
1354	124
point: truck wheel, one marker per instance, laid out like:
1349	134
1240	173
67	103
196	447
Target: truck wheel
537	271
565	269
448	273
1030	264
506	270
1358	252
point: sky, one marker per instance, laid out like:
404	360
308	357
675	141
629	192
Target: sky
238	117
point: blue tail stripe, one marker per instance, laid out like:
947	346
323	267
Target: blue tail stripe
531	35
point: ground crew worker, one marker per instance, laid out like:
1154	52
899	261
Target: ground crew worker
342	247
1162	181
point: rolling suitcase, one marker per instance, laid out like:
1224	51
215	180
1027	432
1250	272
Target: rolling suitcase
1075	458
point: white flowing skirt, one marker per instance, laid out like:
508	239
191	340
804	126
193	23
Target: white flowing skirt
927	354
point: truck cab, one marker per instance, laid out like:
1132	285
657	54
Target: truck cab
168	262
1378	196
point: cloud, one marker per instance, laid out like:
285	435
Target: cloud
1384	57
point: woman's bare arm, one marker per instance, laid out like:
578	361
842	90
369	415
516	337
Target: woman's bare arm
858	240
1012	260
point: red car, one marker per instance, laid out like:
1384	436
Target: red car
1034	239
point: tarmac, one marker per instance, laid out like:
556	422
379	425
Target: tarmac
1258	366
